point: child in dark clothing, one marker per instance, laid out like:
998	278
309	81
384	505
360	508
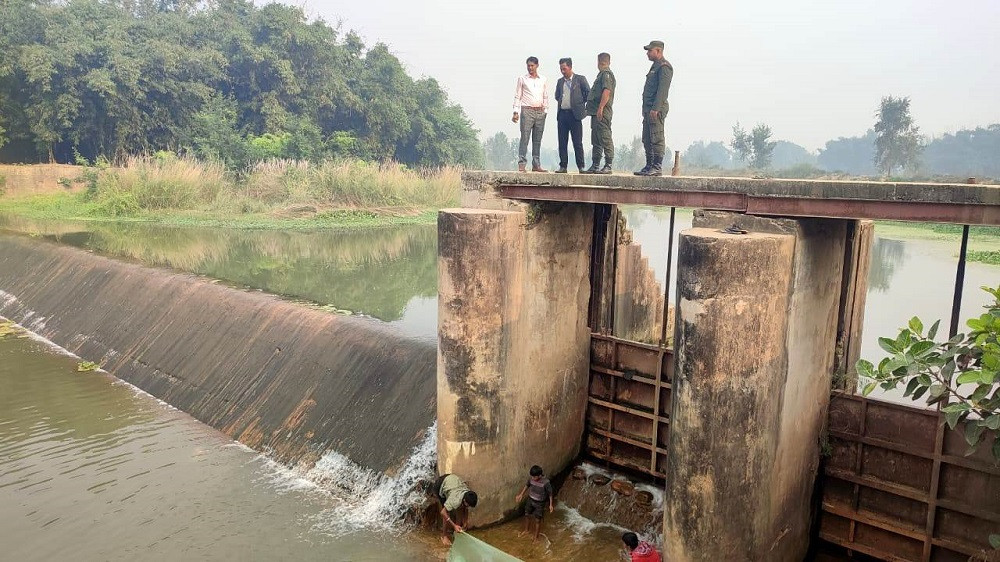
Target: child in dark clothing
539	491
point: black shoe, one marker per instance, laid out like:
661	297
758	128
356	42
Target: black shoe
561	170
644	171
605	170
591	170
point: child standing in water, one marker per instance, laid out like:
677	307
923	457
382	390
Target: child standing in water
539	491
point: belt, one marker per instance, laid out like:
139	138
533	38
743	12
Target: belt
539	108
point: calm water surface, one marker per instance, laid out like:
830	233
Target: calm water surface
93	469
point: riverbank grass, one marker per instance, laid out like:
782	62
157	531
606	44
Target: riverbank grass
274	194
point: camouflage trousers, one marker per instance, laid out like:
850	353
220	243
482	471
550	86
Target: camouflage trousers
600	138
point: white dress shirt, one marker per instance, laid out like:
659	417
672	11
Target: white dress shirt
531	92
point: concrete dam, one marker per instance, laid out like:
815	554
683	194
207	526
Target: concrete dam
555	343
276	376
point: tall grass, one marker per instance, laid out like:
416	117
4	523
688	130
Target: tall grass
141	184
151	184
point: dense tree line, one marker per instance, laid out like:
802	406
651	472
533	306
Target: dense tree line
224	79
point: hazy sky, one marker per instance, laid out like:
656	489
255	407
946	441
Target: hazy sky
811	69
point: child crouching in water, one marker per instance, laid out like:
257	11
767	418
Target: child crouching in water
539	491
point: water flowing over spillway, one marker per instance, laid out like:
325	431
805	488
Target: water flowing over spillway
282	378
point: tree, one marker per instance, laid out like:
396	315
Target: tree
710	155
850	155
969	152
755	147
501	152
116	77
789	155
962	374
897	139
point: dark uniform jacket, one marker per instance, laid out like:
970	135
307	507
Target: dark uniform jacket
654	93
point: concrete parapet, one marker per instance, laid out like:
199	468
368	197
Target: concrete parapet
756	340
513	346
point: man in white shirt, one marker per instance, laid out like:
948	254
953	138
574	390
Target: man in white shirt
531	102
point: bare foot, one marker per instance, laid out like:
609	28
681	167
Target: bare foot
446	541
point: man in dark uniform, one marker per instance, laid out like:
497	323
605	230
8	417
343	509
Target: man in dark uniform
602	97
654	109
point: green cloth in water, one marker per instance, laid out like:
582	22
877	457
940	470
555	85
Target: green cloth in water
468	548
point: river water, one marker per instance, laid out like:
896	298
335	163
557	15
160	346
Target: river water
94	469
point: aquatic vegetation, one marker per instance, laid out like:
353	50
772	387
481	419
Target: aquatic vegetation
9	329
86	366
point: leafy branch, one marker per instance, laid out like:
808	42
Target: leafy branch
962	374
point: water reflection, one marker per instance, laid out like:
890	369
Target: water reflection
376	272
92	470
887	256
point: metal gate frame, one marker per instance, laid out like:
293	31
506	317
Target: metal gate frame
898	485
628	409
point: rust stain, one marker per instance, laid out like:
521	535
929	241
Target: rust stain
298	415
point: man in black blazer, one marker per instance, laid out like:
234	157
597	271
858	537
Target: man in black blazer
572	91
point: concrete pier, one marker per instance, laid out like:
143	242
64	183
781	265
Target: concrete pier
755	346
513	346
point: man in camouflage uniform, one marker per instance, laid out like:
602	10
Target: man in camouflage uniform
654	109
602	97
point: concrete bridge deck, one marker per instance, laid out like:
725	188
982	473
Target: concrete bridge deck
905	201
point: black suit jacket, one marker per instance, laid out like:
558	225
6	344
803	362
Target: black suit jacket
577	95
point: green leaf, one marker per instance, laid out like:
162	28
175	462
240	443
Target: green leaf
911	386
864	368
995	539
948	371
938	389
959	407
933	331
922	347
988	377
973	432
967	377
869	388
920	392
903	341
888	345
976	324
925	379
980	393
951	418
897	362
993	422
916	325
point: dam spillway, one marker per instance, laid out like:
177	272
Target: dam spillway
277	376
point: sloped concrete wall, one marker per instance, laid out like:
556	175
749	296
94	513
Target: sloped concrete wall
279	377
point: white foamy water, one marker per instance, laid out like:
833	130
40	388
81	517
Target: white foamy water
366	499
581	526
373	500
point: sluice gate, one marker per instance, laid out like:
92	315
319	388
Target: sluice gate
731	410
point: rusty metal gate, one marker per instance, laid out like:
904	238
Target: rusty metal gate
897	485
628	408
